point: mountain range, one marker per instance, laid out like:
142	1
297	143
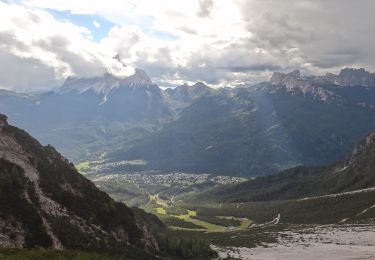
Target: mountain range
249	130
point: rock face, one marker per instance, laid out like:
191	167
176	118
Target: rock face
355	77
134	98
45	202
364	147
348	77
290	79
293	83
313	86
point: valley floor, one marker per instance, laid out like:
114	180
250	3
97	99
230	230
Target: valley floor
329	242
253	230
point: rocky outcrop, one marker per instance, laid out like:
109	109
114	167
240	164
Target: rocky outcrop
290	79
365	146
348	77
355	77
314	86
293	83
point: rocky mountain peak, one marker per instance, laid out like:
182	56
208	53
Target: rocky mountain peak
295	73
350	77
140	77
293	83
105	84
279	78
183	95
200	85
353	72
355	77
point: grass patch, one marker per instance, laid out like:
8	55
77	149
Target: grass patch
324	210
161	211
226	222
180	223
176	211
210	227
192	213
84	167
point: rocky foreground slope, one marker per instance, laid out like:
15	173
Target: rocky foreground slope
44	202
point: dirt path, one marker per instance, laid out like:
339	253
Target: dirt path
340	194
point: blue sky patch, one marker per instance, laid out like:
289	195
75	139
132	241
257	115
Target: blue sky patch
87	21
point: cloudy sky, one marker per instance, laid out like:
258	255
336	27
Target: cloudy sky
220	42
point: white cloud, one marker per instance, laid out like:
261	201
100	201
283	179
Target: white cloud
205	7
96	24
48	50
326	35
217	41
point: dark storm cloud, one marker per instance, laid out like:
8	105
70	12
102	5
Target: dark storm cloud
314	36
327	34
252	68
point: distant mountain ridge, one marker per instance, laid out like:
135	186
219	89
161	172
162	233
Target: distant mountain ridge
351	77
252	130
182	96
295	84
255	130
356	172
347	77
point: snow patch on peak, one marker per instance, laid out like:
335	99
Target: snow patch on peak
105	84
